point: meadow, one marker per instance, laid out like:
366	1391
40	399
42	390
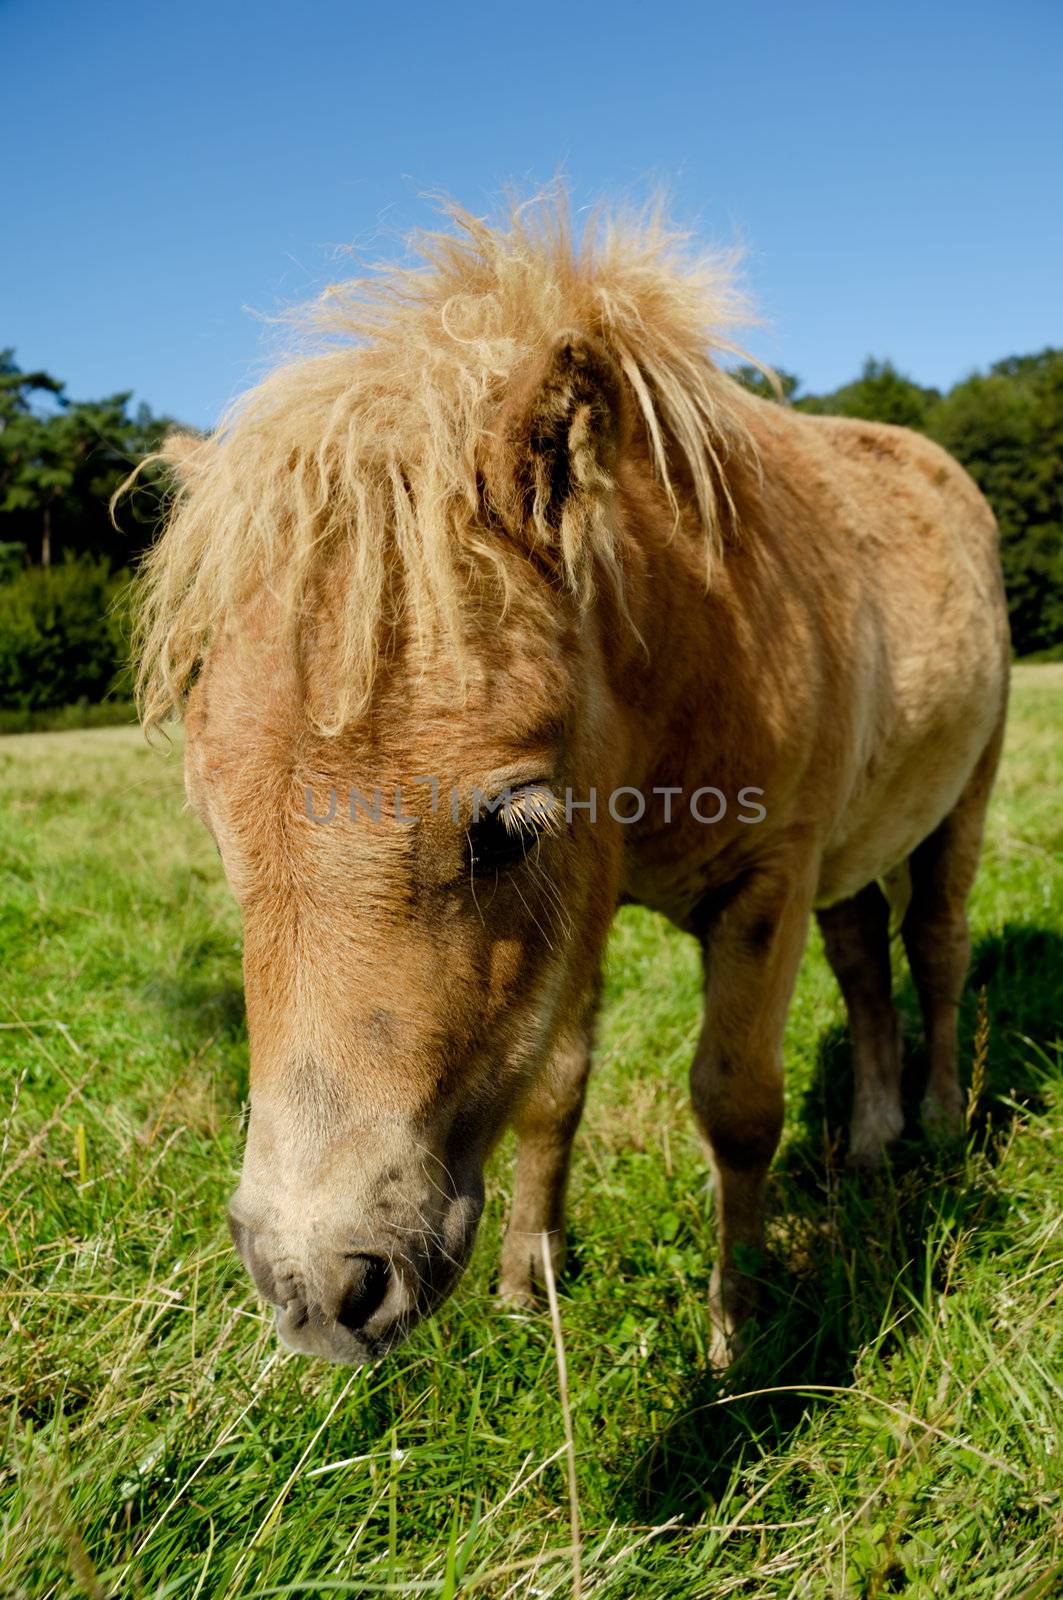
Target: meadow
891	1429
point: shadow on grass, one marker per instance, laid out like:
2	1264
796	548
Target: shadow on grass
846	1246
200	1007
205	1014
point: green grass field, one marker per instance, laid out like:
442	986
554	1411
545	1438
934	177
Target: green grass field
892	1429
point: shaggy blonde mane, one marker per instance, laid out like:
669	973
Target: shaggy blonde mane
361	454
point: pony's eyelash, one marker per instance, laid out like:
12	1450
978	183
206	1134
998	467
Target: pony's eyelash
512	828
535	809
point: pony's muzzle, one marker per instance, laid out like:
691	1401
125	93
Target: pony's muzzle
355	1305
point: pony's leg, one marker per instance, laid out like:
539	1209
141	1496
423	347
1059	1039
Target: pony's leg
545	1126
752	951
856	934
937	938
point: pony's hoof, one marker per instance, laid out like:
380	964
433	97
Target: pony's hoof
732	1299
866	1155
869	1141
522	1280
726	1345
516	1296
519	1286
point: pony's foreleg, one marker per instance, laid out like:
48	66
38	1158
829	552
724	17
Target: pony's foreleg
752	951
545	1126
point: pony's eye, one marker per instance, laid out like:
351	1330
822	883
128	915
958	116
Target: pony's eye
501	837
493	847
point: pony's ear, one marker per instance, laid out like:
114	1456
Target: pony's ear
183	451
554	456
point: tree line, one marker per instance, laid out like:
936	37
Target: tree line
63	564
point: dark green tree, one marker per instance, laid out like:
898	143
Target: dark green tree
759	383
881	394
60	462
24	477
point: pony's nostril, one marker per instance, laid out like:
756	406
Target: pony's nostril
367	1284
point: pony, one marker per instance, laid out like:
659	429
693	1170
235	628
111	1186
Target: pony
502	555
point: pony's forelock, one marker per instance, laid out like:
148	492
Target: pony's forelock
359	454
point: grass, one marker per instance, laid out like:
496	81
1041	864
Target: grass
891	1430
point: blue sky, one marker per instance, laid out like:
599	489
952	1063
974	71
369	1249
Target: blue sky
892	169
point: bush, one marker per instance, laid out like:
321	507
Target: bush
12	560
63	636
67	719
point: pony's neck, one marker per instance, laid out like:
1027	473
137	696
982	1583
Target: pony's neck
702	626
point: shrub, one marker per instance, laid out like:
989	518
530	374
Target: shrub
63	636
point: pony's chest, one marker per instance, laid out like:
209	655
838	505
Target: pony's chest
675	876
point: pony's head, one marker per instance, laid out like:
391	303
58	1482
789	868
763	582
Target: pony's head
399	600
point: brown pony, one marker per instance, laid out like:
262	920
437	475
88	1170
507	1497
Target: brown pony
502	606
